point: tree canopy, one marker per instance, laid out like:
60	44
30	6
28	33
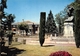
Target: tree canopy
76	21
50	24
42	28
60	19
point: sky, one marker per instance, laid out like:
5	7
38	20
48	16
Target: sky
29	10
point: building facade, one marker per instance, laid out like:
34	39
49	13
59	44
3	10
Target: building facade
29	23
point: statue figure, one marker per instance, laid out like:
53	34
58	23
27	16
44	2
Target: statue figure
70	11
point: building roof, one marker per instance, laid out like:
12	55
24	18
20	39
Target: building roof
28	22
25	22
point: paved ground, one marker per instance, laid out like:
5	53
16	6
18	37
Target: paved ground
35	41
48	41
55	41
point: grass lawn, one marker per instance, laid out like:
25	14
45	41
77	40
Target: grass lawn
36	50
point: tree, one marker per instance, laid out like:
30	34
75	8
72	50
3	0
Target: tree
42	28
10	20
23	26
33	26
50	24
76	21
26	27
1	17
60	19
4	3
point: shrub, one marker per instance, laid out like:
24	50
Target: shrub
60	53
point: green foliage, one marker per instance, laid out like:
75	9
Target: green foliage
9	19
50	24
23	26
42	28
4	3
33	26
9	33
5	20
60	19
1	33
76	21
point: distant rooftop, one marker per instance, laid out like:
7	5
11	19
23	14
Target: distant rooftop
26	22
